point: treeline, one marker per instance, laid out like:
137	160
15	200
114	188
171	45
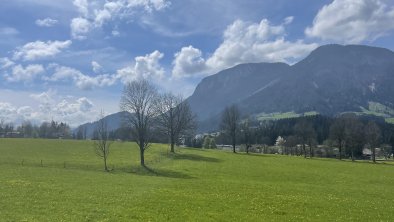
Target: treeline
345	136
49	130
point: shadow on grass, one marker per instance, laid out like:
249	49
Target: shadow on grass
356	161
255	154
147	171
194	157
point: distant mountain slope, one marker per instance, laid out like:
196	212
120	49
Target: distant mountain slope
331	80
114	121
234	85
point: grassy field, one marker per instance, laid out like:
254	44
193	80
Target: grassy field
193	185
276	116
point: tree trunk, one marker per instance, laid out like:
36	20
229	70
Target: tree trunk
340	151
105	163
234	145
352	155
373	154
172	146
142	156
310	151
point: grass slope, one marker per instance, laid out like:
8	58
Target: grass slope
193	185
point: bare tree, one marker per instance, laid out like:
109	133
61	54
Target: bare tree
102	143
337	133
291	143
175	117
306	134
372	137
229	123
246	134
139	99
353	134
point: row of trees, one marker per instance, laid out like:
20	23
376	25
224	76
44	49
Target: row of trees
349	133
50	130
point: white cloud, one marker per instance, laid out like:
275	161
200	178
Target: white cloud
47	22
25	112
71	111
144	67
6	110
243	42
149	5
96	14
82	6
353	21
288	20
80	27
188	62
5	63
12	114
44	97
109	9
81	80
40	50
27	74
96	67
115	33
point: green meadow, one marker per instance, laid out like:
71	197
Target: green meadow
63	180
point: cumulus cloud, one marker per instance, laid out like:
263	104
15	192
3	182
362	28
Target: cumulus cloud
188	62
5	63
109	9
47	22
149	5
25	74
80	27
147	66
82	6
243	42
12	114
81	80
72	111
95	15
352	21
40	50
6	110
44	97
96	67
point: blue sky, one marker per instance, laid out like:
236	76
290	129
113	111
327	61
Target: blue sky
68	59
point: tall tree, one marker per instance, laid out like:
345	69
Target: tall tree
246	134
291	143
229	123
353	134
305	133
175	117
139	98
280	141
337	133
102	143
372	137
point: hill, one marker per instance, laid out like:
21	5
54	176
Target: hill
192	185
114	122
331	80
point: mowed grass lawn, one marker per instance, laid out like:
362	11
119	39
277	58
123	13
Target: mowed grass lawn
193	185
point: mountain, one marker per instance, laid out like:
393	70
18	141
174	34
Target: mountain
332	79
114	121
